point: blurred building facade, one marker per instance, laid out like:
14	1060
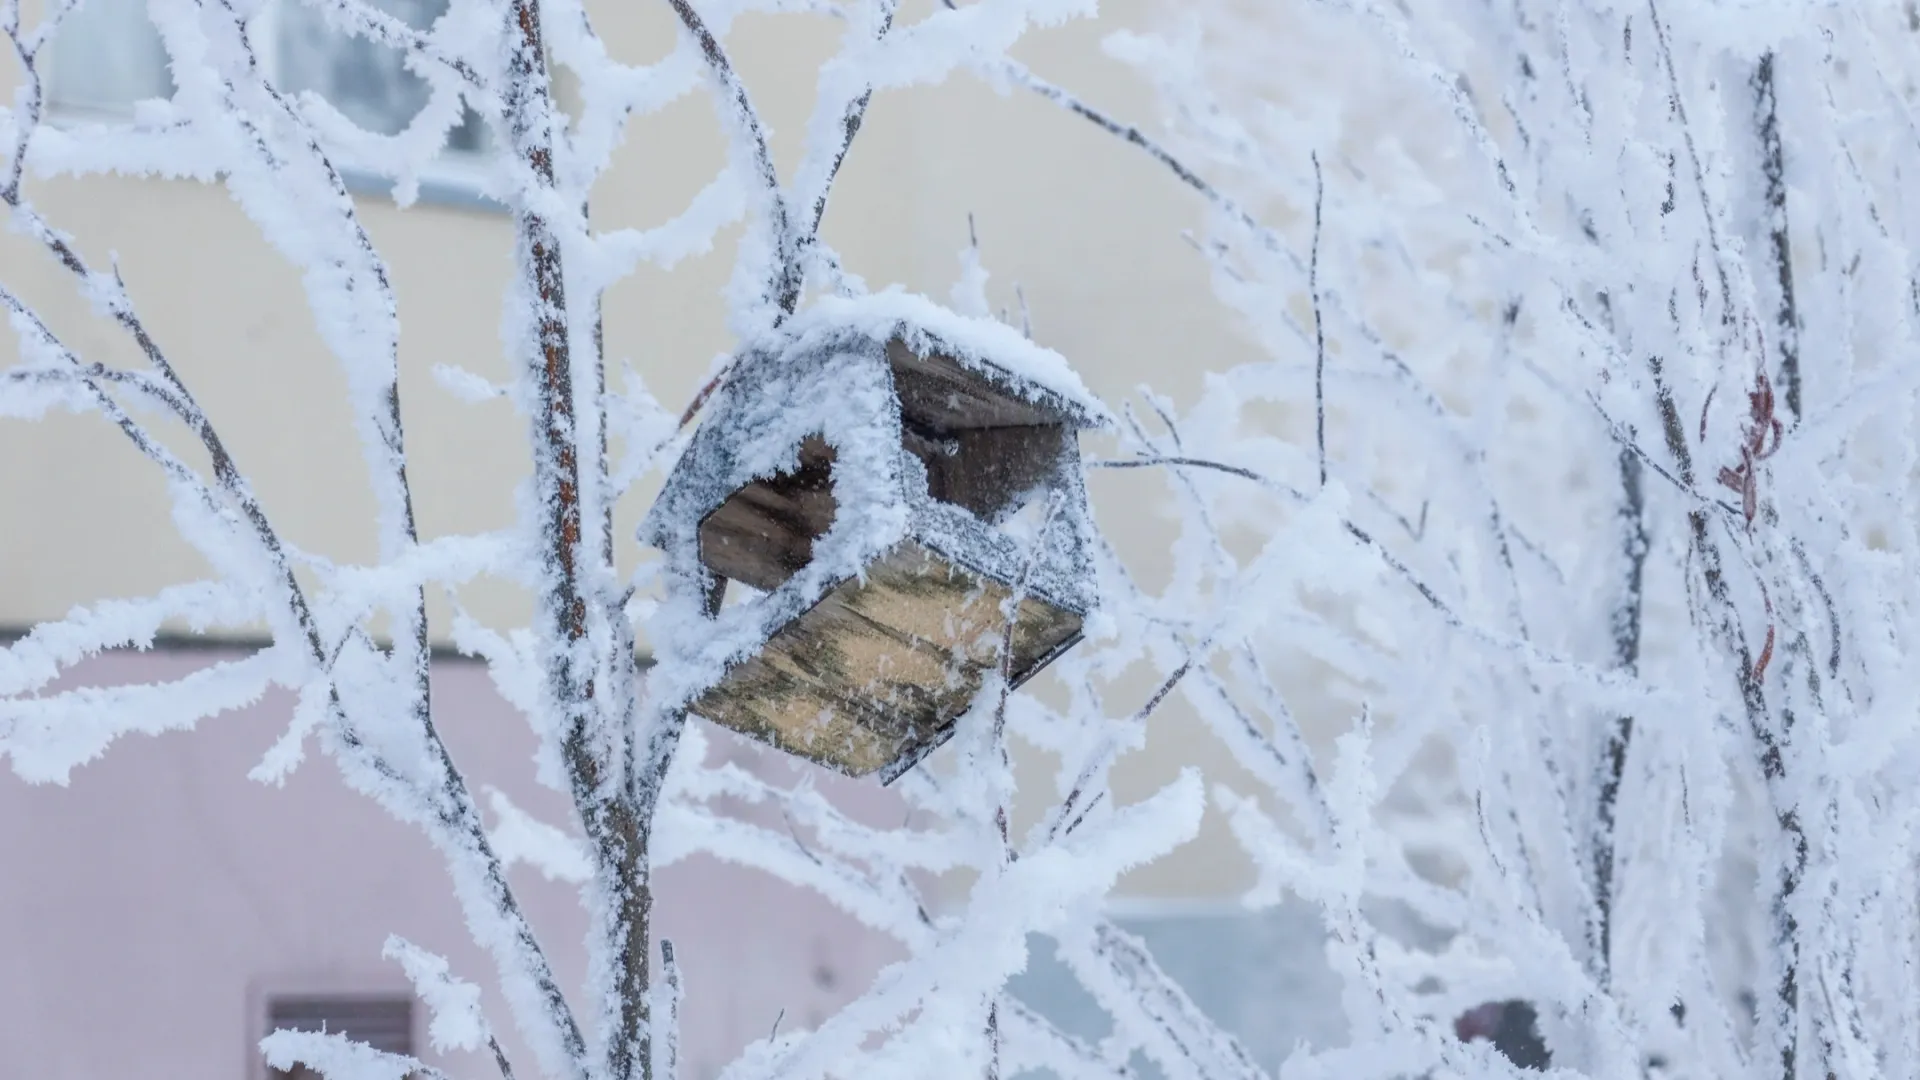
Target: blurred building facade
157	912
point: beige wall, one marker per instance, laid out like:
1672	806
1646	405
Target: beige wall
1087	225
150	909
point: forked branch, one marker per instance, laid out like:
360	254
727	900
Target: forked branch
788	271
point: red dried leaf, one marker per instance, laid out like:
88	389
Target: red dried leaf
1760	401
1779	433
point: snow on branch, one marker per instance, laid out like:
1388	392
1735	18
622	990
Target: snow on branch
780	242
39	657
46	737
362	18
337	1057
453	1003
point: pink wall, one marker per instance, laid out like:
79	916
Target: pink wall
147	908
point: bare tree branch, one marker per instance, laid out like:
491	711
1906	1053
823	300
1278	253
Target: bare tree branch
788	245
788	271
1626	642
1319	329
850	120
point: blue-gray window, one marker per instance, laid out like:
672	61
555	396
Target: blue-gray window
1262	978
108	56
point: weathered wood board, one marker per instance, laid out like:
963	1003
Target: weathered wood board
879	670
937	392
764	533
985	470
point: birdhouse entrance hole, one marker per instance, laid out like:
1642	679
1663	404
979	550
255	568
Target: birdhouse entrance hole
764	533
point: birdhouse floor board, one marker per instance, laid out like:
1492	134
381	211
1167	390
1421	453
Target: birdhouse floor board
880	669
762	702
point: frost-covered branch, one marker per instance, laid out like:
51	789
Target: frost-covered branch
379	26
784	242
1564	193
816	176
594	734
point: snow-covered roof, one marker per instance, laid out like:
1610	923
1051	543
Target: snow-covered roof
778	392
987	347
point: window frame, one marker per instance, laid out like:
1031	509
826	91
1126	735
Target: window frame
369	985
454	179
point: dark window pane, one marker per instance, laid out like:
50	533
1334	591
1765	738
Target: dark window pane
384	1023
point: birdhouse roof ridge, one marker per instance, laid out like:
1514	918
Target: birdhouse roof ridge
986	347
775	394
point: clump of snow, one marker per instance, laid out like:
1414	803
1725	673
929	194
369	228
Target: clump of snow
519	837
455	1020
970	291
337	1057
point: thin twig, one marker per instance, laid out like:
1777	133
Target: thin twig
666	1040
993	1040
383	28
1198	463
788	245
1319	328
850	123
1773	168
1220	201
1626	641
789	271
998	742
499	1057
1104	753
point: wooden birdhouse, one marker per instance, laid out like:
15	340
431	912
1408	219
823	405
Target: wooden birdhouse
882	486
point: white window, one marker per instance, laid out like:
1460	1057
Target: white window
108	56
